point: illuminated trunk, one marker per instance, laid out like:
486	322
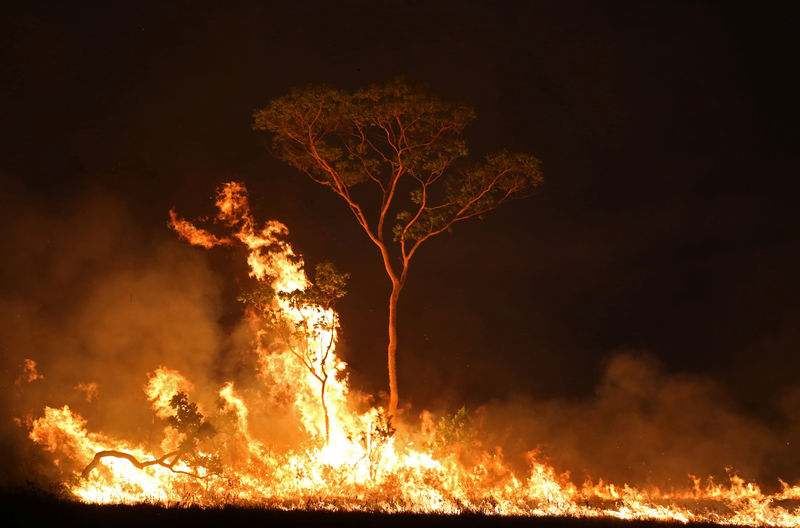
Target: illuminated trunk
325	406
392	352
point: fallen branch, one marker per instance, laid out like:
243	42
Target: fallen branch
162	461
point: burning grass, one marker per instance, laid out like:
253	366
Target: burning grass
53	509
218	458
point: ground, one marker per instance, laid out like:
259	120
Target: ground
40	509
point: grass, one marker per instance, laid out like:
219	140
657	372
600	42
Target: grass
30	507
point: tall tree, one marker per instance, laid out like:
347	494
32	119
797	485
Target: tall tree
407	144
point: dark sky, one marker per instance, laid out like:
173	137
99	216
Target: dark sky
667	224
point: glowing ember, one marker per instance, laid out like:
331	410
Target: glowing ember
350	457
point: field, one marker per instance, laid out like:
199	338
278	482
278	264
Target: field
31	508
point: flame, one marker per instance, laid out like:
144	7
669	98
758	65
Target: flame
90	390
29	372
161	386
352	457
194	235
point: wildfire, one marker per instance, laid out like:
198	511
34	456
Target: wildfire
353	457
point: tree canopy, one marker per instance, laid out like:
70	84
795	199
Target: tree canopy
395	135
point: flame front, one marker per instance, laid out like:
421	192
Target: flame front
350	457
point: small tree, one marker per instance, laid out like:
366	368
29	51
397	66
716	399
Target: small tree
373	439
407	145
307	336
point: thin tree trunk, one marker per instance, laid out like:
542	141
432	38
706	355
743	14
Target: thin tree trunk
325	407
392	351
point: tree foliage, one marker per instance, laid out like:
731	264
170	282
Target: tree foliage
453	432
195	429
391	135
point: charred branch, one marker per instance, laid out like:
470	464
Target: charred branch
163	461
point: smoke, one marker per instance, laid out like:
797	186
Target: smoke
647	427
91	303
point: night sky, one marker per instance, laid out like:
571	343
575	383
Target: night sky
667	224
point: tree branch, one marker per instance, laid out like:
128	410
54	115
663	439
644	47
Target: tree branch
162	461
459	216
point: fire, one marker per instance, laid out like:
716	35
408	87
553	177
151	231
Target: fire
29	372
90	390
193	235
352	456
161	386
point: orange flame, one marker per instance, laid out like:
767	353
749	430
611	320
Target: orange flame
351	459
29	372
194	235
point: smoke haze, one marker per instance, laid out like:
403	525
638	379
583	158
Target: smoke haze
643	426
97	303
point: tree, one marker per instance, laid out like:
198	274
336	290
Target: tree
309	336
406	144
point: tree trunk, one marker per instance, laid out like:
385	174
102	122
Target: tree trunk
325	406
392	352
